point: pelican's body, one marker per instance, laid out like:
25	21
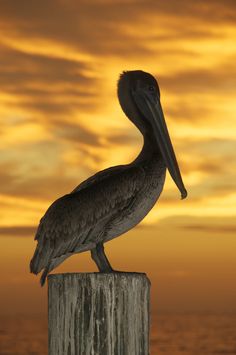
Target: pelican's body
109	203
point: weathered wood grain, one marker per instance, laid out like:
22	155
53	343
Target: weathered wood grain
98	314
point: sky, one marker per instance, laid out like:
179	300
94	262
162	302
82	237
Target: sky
61	123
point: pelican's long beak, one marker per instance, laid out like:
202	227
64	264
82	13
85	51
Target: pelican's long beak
150	107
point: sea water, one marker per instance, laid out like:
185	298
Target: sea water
182	334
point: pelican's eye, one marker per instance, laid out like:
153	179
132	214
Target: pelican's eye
151	88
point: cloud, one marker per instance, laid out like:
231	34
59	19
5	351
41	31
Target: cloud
124	137
7	173
101	27
213	224
207	168
212	229
46	85
46	187
212	157
39	171
59	60
218	80
18	231
200	95
75	132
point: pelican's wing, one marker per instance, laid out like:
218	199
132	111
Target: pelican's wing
70	223
57	231
99	176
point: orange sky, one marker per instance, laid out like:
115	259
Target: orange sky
61	122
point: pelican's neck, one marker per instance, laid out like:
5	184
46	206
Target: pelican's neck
150	148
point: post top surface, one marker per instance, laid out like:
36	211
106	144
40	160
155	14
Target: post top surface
98	276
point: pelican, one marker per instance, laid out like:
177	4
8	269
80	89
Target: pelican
116	199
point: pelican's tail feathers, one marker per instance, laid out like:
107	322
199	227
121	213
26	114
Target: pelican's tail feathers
45	274
40	259
52	265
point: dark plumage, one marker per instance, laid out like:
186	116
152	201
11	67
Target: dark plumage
116	199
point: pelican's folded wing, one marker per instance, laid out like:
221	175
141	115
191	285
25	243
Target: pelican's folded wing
73	222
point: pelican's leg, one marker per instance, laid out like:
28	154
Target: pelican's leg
99	256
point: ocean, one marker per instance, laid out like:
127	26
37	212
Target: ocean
171	334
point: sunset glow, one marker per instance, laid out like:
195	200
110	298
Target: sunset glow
61	122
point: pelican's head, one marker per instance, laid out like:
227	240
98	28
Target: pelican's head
139	96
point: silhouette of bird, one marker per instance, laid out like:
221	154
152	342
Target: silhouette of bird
116	199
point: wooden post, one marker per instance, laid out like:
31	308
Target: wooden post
98	314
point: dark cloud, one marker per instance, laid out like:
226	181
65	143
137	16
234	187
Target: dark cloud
183	112
209	148
75	132
17	231
212	224
221	80
99	27
211	228
124	137
217	82
45	187
51	89
25	67
55	86
8	176
48	85
213	156
206	166
202	191
86	27
215	160
37	171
